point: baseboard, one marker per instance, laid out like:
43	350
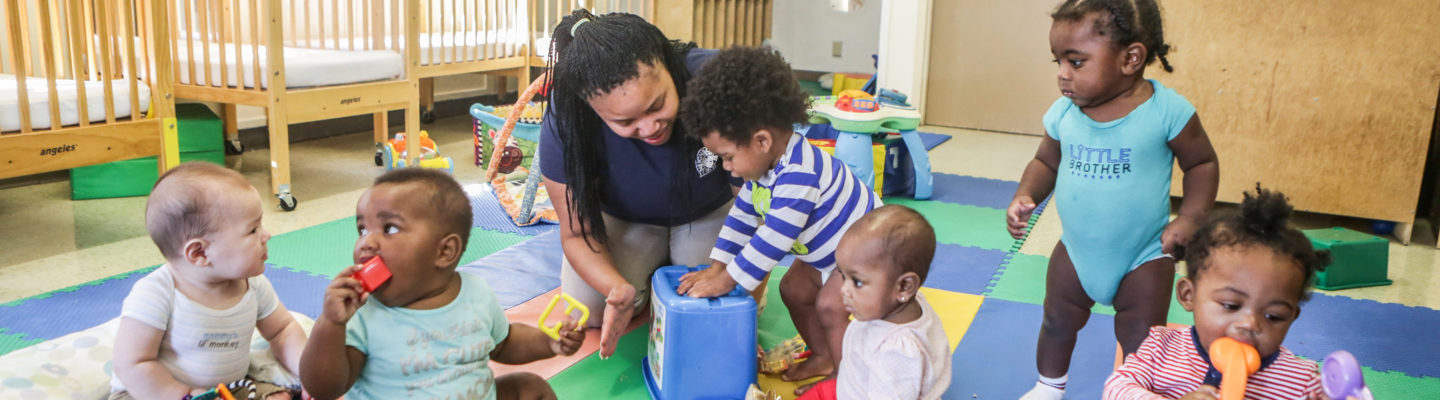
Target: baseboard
808	75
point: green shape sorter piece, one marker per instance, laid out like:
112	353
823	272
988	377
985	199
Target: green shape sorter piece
1359	260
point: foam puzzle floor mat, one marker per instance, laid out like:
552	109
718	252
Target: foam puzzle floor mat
988	294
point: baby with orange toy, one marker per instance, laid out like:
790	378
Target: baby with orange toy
1247	274
404	323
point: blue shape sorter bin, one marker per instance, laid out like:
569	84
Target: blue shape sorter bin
700	348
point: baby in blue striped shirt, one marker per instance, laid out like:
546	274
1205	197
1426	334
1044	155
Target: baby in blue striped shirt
796	200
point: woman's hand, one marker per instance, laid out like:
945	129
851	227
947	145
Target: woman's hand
619	308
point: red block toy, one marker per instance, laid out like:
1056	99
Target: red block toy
373	274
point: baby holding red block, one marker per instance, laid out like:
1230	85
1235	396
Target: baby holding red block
432	331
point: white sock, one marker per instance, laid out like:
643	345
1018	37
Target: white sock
1047	389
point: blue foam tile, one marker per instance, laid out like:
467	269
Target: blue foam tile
1383	336
996	358
969	190
932	139
523	271
963	269
69	310
487	213
298	291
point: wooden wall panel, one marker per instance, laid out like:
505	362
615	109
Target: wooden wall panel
1329	101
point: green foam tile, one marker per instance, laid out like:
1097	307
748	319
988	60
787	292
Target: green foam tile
618	377
775	325
321	250
621	377
10	343
1397	385
483	243
1023	280
966	225
327	248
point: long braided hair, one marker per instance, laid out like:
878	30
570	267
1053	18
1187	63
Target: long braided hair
599	56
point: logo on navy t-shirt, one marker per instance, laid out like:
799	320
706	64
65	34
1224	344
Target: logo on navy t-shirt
705	162
1099	163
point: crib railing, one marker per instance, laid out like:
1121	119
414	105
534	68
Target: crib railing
231	34
465	31
49	41
545	14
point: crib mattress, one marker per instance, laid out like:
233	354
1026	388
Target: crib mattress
303	67
70	113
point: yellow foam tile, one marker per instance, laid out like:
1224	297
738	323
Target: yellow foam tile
956	310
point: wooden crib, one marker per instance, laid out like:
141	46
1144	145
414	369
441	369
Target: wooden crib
303	60
73	86
471	36
509	37
712	24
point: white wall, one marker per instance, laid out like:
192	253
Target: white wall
803	31
904	57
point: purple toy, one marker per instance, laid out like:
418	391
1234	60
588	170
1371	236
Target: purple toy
1341	377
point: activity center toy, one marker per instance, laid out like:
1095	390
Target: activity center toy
516	191
861	119
699	347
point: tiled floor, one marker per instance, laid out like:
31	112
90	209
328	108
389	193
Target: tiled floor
51	242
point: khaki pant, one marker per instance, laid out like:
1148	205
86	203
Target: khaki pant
637	250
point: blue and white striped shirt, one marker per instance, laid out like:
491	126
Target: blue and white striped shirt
802	206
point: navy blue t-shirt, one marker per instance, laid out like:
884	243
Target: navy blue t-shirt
640	178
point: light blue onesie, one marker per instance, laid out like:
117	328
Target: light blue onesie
1113	186
442	353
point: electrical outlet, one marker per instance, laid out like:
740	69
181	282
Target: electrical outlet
835	48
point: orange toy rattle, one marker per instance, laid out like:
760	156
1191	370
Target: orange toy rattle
1235	361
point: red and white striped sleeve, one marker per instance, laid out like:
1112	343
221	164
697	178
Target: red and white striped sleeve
1134	380
1290	377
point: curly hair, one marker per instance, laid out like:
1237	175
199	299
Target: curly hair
1125	22
441	193
741	91
590	60
1262	221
